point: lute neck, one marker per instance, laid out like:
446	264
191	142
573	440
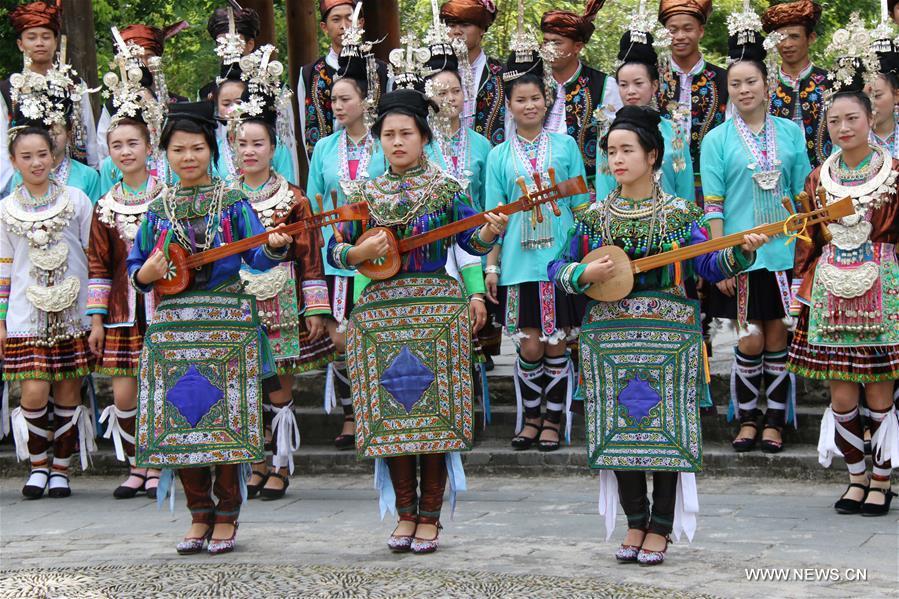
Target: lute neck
564	189
693	251
345	213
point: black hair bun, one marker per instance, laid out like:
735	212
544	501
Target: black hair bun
630	50
515	68
230	72
352	64
753	50
412	100
642	117
442	58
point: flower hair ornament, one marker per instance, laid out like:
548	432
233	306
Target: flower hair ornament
264	99
529	56
50	99
855	60
229	46
131	98
745	41
407	64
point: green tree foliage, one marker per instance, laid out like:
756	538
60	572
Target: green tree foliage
191	62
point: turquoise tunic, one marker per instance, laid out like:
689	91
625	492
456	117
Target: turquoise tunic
677	183
727	181
478	150
281	163
80	177
324	177
520	265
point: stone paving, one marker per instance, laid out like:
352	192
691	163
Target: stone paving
512	537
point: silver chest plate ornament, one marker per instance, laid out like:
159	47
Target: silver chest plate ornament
766	180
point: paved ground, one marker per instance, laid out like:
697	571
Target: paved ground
325	540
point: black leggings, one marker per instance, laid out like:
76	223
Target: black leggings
632	494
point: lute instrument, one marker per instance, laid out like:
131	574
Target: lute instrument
390	265
620	285
183	264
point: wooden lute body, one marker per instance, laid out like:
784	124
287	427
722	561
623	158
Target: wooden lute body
390	265
622	282
182	263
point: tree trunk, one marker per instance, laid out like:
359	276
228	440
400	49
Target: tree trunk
302	46
382	20
81	45
266	10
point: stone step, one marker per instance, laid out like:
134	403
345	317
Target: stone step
319	428
308	389
495	457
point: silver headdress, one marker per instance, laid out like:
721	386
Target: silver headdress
129	98
51	99
855	61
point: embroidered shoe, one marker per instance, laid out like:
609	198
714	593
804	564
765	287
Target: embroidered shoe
399	543
627	553
193	545
421	546
650	558
402	543
219	546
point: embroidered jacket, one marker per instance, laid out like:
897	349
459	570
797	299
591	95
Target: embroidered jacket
490	115
584	93
707	109
805	107
109	291
237	220
684	224
417	202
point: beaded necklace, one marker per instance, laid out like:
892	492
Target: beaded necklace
61	173
766	170
188	238
629	219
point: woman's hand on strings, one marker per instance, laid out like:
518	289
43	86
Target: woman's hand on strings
153	269
752	242
495	226
598	271
277	240
371	248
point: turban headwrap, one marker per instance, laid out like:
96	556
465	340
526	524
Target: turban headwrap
477	12
572	25
36	14
701	9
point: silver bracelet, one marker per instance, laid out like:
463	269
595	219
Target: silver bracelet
492	270
477	299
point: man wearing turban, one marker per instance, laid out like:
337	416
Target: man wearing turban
693	87
485	106
38	25
581	89
801	86
314	87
